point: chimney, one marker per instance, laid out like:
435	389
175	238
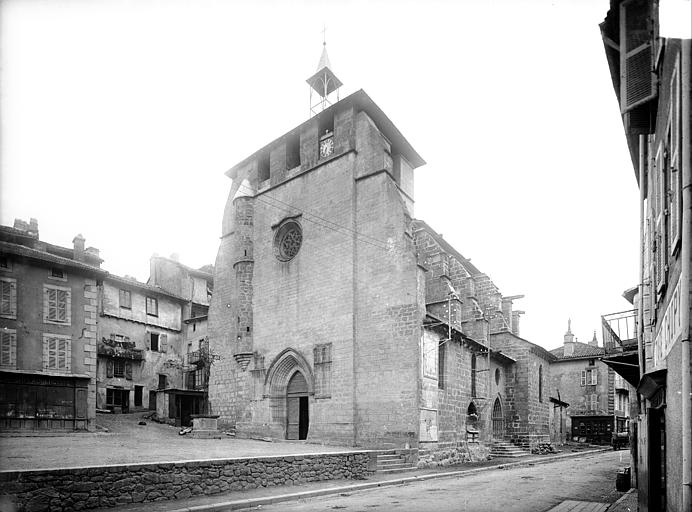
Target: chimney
507	313
516	316
594	341
33	227
78	243
569	340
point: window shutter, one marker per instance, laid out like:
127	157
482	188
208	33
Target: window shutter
5	349
583	377
163	342
147	341
109	368
638	80
128	370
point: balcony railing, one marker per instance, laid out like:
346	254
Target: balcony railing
620	331
197	356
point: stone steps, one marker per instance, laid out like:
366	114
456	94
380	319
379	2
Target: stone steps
392	462
505	449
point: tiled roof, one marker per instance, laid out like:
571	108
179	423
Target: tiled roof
580	350
143	286
28	252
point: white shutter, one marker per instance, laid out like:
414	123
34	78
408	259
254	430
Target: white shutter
583	377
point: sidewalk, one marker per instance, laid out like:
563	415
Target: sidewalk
628	503
269	495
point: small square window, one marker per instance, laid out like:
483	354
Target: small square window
125	299
5	263
152	306
58	273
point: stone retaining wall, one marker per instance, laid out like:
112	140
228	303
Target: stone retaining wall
110	486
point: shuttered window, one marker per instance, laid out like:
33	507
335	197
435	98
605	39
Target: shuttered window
57	352
638	83
56	304
674	132
8	297
8	348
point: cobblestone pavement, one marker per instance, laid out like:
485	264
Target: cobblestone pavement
127	442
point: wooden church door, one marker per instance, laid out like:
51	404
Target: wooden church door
297	412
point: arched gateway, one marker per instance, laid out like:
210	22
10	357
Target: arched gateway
289	383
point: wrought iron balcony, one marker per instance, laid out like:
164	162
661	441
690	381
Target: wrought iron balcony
620	331
198	356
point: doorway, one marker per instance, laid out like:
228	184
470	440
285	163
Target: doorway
297	407
657	458
498	420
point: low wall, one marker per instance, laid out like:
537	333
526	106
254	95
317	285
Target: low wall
110	486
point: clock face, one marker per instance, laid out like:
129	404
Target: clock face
326	147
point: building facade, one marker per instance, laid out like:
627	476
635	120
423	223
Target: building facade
140	348
651	78
48	331
339	318
598	397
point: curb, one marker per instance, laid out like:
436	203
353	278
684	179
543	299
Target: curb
622	499
254	502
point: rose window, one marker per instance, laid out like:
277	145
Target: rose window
288	239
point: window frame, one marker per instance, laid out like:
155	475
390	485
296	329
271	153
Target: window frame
118	367
125	293
61	277
10	284
48	339
8	337
47	290
155	302
8	261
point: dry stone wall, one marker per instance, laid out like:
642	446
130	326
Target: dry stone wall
113	486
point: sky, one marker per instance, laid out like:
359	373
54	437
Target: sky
118	119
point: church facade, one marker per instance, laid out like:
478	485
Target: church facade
340	318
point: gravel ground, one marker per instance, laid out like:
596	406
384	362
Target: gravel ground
126	442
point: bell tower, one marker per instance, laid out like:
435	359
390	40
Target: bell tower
324	82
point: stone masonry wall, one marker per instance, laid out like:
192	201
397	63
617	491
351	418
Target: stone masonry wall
113	486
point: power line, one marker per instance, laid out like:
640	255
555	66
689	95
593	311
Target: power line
322	222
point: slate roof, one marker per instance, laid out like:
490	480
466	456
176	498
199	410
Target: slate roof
581	350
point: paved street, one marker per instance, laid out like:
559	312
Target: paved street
531	489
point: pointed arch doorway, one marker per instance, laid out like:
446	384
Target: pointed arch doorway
297	407
498	420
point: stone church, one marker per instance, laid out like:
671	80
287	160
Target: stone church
341	319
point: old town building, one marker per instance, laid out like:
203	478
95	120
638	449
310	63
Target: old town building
48	331
650	70
339	318
598	398
140	346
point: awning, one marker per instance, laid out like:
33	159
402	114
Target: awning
651	383
625	364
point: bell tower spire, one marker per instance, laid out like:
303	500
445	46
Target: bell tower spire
324	82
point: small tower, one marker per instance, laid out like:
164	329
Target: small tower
323	82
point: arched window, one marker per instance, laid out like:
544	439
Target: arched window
473	375
540	383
